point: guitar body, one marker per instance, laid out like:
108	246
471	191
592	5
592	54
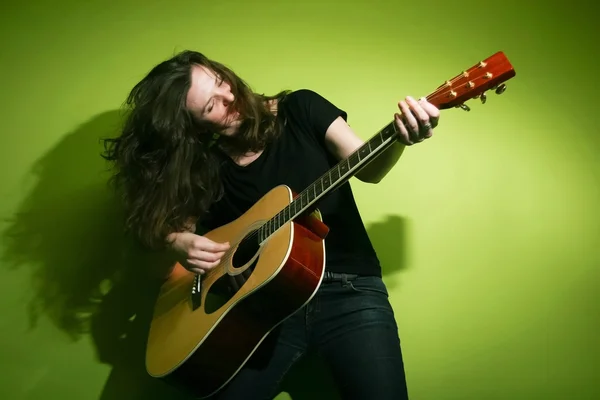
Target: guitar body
201	340
201	335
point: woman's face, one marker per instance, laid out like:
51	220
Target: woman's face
210	99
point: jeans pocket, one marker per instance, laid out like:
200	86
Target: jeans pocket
369	285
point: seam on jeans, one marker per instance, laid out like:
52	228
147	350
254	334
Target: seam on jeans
284	373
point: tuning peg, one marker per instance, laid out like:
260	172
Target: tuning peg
500	89
464	107
483	98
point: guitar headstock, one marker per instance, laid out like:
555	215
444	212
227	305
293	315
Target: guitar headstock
489	74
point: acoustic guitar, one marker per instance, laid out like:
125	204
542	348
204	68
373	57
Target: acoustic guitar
206	327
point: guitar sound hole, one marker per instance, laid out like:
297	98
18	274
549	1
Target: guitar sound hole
224	288
247	249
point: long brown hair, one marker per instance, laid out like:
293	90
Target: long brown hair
165	161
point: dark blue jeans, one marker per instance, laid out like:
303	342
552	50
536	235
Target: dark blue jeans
351	325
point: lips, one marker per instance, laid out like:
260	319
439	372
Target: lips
231	118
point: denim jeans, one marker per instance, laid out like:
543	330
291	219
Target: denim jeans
351	325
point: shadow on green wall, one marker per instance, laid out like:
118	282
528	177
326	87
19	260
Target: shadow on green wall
90	279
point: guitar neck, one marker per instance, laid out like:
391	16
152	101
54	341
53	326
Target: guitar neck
471	83
331	180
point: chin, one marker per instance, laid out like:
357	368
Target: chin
230	131
233	128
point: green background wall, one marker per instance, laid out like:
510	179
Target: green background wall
489	232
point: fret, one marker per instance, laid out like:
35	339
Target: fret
377	140
354	159
325	181
335	173
364	151
390	130
303	201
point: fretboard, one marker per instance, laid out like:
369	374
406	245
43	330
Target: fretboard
331	180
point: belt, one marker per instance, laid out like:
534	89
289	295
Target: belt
329	276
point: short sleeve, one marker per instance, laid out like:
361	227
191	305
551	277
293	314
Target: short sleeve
319	111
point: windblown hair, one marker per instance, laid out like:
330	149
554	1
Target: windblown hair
166	162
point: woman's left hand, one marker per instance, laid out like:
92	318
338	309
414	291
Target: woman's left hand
417	121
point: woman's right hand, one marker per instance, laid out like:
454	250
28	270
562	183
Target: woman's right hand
197	253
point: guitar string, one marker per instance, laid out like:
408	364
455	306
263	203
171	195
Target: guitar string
447	87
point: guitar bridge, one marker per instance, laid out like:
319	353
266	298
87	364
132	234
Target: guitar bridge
197	292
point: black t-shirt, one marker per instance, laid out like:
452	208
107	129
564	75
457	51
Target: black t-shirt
297	158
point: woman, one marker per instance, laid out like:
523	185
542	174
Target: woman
199	148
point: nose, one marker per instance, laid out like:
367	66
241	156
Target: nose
225	93
228	97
